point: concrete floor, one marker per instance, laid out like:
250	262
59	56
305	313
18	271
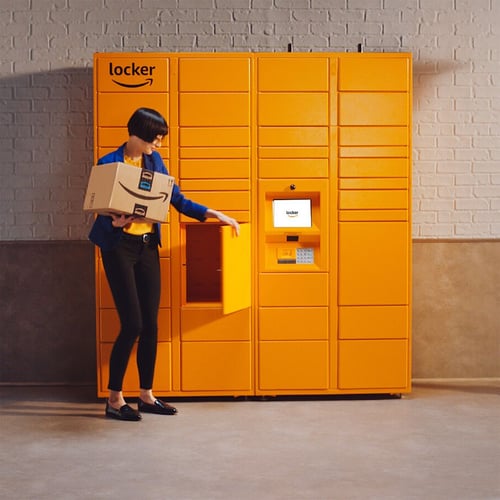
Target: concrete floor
440	442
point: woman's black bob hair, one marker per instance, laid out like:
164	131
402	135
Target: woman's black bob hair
147	124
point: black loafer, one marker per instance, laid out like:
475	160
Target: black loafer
159	407
125	412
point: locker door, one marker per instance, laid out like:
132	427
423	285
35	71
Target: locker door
374	263
236	269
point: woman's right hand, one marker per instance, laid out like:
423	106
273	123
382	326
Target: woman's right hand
121	220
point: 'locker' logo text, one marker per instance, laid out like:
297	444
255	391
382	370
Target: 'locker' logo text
132	70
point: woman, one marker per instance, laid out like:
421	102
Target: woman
129	249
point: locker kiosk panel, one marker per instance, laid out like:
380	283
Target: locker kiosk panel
295	236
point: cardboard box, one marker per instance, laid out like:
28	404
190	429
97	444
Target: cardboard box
125	189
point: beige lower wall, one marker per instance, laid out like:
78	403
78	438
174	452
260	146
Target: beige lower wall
48	315
456	309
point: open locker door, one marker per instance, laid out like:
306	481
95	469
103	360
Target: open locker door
236	269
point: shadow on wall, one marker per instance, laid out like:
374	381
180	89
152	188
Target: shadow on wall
46	151
46	287
429	74
47	313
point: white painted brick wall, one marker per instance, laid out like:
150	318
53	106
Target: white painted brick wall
46	92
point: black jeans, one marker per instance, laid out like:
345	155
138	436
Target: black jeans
133	272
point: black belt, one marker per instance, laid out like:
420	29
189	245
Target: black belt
144	238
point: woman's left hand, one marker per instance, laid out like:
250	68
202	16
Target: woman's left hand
225	219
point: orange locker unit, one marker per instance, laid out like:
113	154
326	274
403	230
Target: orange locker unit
311	154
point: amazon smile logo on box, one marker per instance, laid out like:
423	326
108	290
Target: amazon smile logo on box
124	189
146	184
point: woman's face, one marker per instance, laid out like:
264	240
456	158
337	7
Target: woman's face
140	146
149	147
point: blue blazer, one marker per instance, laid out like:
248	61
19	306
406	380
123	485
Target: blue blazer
106	236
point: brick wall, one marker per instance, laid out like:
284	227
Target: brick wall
46	92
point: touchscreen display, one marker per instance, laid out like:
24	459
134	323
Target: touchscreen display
292	213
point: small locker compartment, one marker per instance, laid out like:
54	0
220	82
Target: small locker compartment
373	167
196	137
373	322
368	199
374	364
293	323
374	72
293	365
214	168
217	366
373	136
216	266
289	109
204	109
292	73
382	108
214	73
211	324
296	167
115	108
293	289
202	266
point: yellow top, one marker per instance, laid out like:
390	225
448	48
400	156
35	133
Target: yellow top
137	227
